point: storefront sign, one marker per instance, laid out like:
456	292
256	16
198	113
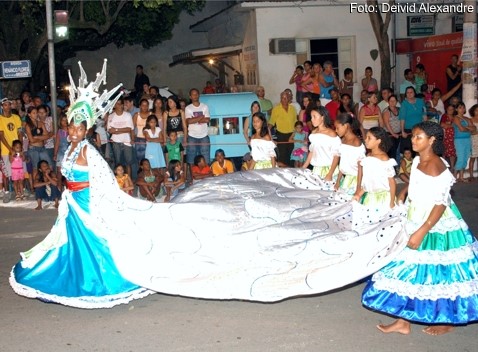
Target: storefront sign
420	25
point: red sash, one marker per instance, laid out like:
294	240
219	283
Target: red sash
77	186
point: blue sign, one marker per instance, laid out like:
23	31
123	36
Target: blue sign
16	69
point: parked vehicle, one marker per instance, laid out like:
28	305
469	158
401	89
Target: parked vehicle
228	113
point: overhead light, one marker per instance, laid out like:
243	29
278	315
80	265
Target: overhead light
211	61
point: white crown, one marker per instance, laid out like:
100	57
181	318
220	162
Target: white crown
85	103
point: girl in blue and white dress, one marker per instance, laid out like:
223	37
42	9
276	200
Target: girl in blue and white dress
154	139
376	173
351	151
434	280
324	146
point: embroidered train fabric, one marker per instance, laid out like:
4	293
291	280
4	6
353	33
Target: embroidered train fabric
252	235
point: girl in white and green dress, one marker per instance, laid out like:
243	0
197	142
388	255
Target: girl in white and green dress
262	147
351	151
324	146
376	172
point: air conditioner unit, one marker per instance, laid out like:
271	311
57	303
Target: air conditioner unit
287	46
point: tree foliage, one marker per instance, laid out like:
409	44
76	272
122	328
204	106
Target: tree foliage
92	25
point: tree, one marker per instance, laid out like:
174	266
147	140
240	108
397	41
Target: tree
92	25
380	29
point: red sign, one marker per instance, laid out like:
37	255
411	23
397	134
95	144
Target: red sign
452	41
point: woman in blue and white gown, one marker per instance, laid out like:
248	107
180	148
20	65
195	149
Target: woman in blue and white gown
435	279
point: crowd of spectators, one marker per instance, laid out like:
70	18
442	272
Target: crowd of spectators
159	145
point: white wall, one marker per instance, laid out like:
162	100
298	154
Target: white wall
312	23
122	61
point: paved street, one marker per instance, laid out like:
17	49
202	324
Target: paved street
330	322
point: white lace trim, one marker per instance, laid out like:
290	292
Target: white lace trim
86	302
417	216
425	292
430	257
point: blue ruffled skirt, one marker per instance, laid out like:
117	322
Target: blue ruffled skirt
435	284
73	265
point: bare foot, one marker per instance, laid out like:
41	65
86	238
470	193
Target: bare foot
167	199
438	329
401	326
38	208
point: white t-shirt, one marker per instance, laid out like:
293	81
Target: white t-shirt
197	130
121	121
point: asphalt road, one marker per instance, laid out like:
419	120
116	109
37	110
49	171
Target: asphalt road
330	322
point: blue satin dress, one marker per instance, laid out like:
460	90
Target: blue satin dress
80	272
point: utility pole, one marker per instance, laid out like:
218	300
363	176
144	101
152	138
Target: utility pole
469	55
51	62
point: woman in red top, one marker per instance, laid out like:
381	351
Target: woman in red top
446	122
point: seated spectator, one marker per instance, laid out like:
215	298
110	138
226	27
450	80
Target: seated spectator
45	184
200	169
124	180
247	162
175	180
221	165
406	166
149	181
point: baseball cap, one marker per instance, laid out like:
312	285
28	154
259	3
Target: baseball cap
5	100
247	157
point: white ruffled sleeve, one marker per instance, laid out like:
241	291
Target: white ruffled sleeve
335	146
271	149
390	167
444	181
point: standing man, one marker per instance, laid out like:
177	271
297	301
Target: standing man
453	76
197	119
10	125
295	104
139	80
266	104
284	117
409	81
327	80
121	128
129	105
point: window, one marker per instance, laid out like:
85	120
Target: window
322	50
